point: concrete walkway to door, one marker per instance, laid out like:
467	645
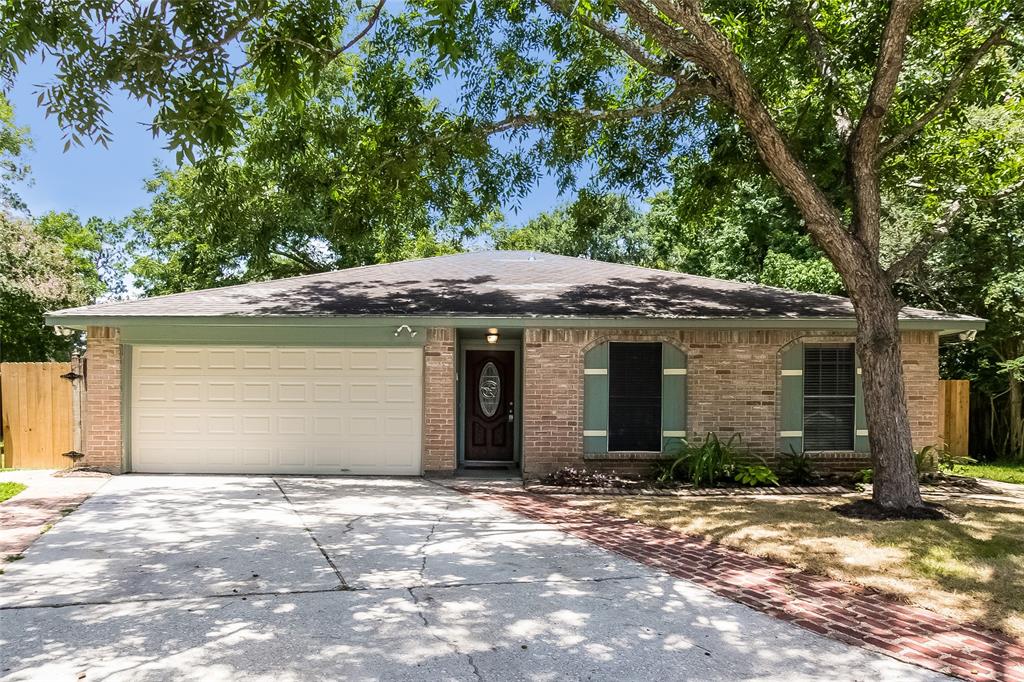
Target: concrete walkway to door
218	577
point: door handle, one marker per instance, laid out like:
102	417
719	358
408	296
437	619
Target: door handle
511	412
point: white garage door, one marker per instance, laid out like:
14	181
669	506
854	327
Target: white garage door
276	410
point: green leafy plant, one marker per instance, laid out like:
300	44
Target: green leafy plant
755	475
707	464
927	460
796	467
864	476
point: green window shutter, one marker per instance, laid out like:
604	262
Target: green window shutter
595	400
791	420
673	397
860	421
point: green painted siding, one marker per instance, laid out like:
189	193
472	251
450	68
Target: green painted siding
283	334
792	399
595	399
860	422
673	395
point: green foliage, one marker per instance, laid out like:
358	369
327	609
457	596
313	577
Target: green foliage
926	460
747	232
13	143
36	275
9	490
600	226
865	476
707	464
755	475
796	468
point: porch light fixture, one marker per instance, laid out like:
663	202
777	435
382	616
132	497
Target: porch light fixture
492	335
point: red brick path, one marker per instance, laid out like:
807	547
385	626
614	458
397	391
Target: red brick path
834	609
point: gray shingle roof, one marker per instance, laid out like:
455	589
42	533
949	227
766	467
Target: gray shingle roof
496	284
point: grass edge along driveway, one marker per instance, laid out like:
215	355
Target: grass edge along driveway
969	569
9	489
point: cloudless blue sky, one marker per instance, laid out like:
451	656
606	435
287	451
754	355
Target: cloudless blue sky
109	183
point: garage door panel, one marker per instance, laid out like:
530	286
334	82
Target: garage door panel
276	410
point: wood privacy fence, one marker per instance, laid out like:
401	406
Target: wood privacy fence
36	407
954	413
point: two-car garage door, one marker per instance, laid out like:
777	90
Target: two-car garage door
276	410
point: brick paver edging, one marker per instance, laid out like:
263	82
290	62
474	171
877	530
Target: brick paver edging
544	489
831	608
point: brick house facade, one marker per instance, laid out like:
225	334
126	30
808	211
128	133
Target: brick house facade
341	379
733	375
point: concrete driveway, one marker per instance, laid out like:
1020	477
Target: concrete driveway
217	577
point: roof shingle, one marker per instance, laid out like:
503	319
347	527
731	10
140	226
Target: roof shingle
496	284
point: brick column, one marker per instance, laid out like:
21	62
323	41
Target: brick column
439	401
921	384
552	399
103	448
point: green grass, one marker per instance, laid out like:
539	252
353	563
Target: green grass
9	490
1007	472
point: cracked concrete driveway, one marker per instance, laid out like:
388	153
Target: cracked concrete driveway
227	577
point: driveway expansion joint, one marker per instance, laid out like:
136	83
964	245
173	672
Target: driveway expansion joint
309	531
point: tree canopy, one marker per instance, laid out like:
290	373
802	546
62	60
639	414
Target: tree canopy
867	119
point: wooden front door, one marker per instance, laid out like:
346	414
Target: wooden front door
490	406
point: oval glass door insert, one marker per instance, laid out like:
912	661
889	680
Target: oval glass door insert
490	389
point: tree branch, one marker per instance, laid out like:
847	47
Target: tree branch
862	155
717	56
844	125
948	96
917	253
370	23
617	38
689	88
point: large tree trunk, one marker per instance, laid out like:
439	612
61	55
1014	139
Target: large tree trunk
894	482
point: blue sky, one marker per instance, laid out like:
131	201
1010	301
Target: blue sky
109	183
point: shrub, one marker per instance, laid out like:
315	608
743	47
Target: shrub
863	476
755	475
796	468
704	465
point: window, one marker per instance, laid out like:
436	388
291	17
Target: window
634	397
829	380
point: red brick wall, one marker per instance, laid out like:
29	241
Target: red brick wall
103	400
439	401
733	378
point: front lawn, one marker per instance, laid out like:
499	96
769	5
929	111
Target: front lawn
970	569
9	490
1007	472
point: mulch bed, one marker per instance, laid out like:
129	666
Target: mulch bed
544	489
869	511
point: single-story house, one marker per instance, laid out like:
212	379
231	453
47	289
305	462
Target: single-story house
496	358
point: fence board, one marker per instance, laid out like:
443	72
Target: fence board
36	414
954	414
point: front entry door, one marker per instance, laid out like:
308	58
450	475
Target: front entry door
490	406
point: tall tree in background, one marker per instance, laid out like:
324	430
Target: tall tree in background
14	140
846	106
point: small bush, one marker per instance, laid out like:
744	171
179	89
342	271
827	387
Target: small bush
796	468
708	464
863	476
756	475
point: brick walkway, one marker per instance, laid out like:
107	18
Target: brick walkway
834	609
26	515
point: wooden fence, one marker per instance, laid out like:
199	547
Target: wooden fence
954	414
36	410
